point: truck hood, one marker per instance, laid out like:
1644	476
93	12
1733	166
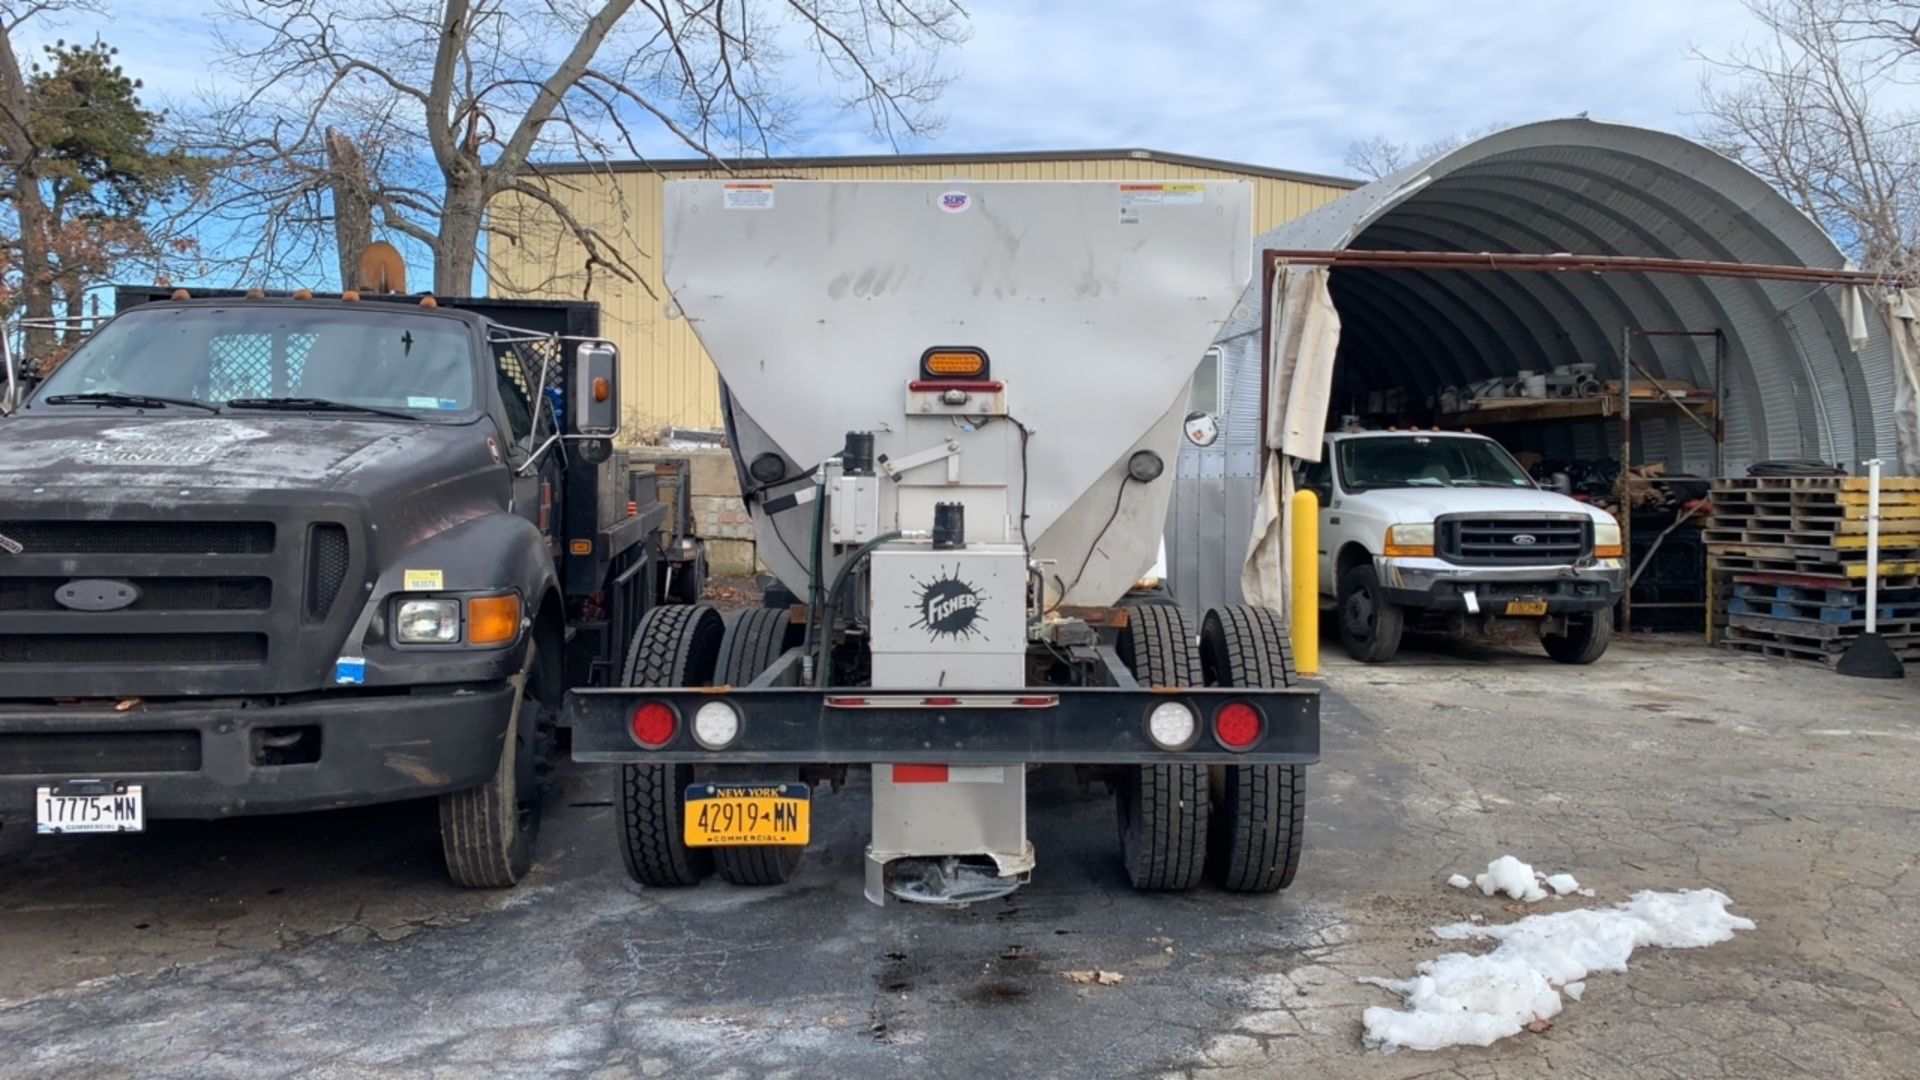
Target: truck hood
1413	506
113	450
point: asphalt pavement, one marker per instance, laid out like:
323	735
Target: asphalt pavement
329	944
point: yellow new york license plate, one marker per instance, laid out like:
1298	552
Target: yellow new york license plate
1526	607
721	815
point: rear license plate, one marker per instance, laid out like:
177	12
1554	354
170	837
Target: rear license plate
722	815
90	807
1526	607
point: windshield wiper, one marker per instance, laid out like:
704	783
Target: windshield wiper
126	401
314	404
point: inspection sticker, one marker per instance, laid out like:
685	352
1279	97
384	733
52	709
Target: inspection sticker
1132	195
419	580
740	196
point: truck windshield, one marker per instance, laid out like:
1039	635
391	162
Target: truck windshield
1426	461
361	357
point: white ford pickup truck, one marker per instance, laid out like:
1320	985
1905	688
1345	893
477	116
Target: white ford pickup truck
1446	527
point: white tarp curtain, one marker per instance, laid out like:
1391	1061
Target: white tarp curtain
1305	332
1903	325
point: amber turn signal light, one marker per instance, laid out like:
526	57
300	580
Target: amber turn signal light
953	364
493	620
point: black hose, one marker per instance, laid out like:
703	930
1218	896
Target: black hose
833	594
813	569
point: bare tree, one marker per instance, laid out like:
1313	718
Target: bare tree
435	110
1379	156
20	155
1818	108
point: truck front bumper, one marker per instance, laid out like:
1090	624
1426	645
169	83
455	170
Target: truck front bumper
232	758
1440	586
857	725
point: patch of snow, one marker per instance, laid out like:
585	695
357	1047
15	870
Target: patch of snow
1574	990
1585	892
1509	875
1460	881
1457	999
1562	884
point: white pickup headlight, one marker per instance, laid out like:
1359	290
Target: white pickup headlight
427	622
1606	534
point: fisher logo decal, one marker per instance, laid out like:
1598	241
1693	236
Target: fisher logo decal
11	546
954	202
948	607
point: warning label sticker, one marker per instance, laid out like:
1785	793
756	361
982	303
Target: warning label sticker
744	196
1162	195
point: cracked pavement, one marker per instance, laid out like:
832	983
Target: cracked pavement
328	945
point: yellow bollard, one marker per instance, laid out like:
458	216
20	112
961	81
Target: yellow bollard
1305	582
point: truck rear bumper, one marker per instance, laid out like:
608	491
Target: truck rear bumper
858	725
228	759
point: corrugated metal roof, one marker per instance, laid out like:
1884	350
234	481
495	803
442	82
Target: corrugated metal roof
1794	387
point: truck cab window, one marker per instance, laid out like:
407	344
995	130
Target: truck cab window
510	366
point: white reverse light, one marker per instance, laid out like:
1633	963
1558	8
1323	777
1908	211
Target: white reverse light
715	725
1171	725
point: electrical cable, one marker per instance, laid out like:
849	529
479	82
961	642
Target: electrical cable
1101	535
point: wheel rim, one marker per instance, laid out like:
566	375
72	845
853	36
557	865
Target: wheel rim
1357	615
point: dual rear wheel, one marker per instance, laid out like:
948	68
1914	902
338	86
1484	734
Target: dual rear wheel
693	646
1239	823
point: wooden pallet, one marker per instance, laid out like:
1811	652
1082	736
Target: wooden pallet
1782	639
1815	562
1890	543
1815	483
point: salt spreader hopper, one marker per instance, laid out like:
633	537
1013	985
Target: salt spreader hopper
952	407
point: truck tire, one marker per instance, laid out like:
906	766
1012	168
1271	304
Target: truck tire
1258	810
1162	809
755	639
674	645
487	833
1584	642
1370	625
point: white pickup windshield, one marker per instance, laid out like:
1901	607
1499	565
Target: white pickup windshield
361	356
1405	461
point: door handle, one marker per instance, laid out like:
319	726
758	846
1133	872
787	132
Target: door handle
1333	521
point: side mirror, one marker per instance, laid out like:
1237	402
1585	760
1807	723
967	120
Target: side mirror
593	408
1202	428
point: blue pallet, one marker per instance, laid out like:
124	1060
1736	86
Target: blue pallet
1803	611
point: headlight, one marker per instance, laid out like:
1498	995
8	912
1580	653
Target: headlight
427	622
1606	540
1145	466
1410	541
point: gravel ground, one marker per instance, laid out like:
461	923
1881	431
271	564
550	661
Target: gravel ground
328	944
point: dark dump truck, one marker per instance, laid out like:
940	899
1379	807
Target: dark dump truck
264	554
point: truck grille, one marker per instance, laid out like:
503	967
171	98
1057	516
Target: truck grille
133	648
1514	541
250	598
141	537
156	594
326	568
104	753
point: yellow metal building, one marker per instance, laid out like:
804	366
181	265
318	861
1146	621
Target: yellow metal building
667	378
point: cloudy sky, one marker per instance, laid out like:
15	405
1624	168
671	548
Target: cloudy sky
1288	83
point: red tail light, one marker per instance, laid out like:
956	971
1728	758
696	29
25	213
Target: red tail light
654	725
1237	725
